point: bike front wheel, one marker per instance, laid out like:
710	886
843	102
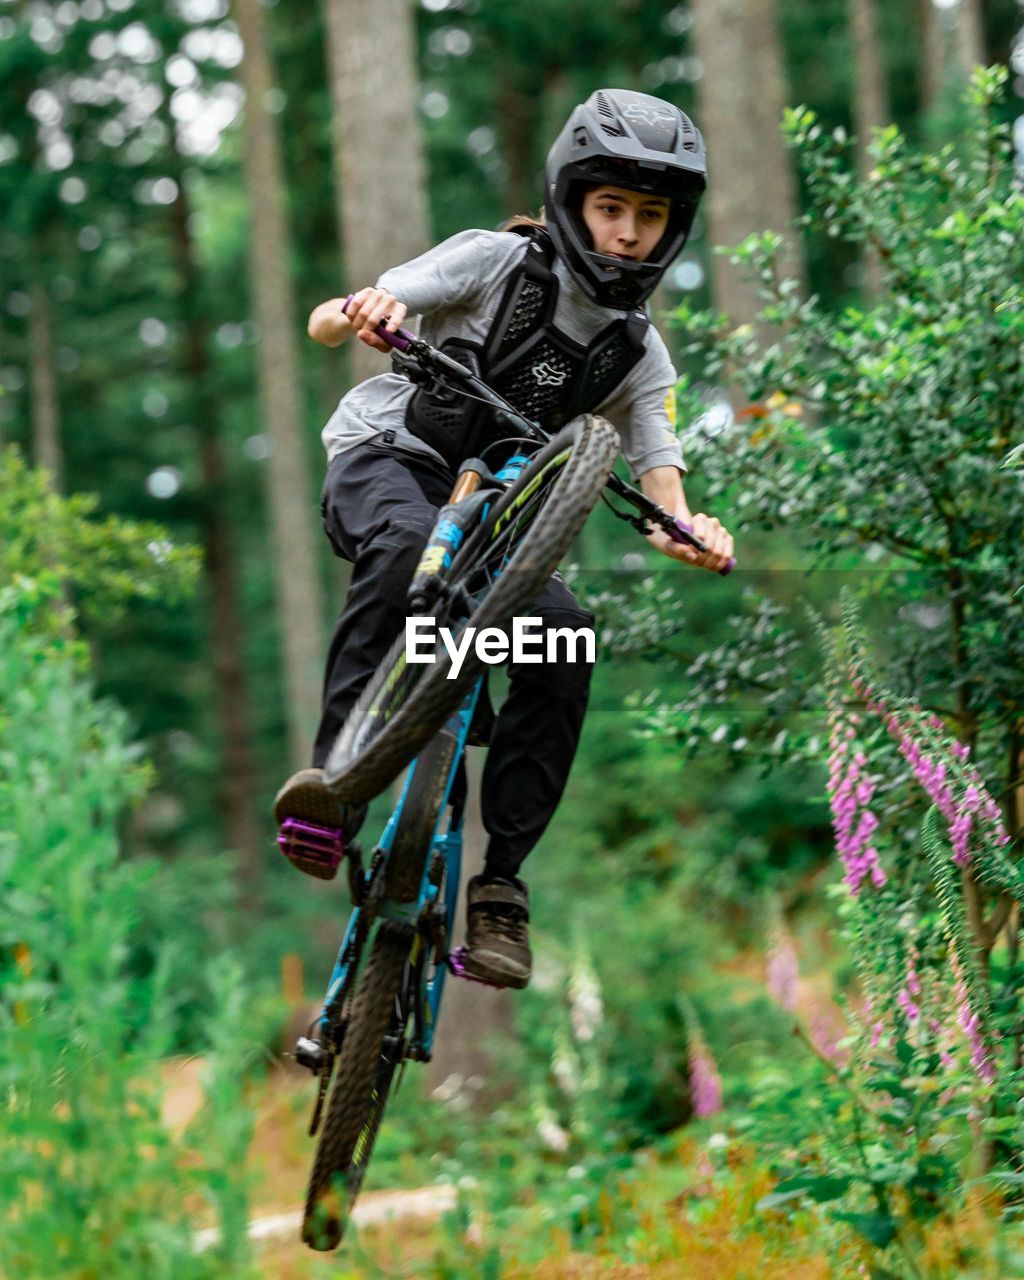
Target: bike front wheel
370	1053
504	566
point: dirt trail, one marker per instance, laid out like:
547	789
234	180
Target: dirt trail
376	1208
279	1156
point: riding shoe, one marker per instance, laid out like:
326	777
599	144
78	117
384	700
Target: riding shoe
306	796
497	938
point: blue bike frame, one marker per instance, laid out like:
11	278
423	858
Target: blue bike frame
447	843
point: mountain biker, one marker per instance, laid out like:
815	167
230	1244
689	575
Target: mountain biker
552	313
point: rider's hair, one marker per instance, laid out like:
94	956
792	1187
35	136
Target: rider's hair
525	220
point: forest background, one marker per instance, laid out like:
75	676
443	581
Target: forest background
179	185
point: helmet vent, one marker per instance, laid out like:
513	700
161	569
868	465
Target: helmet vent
608	121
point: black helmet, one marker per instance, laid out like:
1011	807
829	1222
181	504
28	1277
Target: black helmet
630	140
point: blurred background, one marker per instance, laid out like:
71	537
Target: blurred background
180	184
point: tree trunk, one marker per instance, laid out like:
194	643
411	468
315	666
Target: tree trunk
870	107
295	548
933	41
45	411
237	786
472	1015
952	45
378	150
970	36
752	186
517	116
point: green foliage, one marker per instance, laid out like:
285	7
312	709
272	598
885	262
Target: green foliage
881	437
105	561
92	1182
898	1132
877	440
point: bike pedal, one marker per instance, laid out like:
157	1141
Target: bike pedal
309	1053
314	849
457	965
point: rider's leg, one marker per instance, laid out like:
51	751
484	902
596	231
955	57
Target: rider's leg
378	507
535	738
532	749
378	512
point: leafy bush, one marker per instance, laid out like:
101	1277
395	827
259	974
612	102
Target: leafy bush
92	1183
885	439
103	560
879	438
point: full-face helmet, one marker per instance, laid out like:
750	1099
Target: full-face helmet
631	140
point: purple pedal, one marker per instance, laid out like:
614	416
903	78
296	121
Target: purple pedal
457	964
312	848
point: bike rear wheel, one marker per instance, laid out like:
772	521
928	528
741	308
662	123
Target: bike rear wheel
370	1054
536	519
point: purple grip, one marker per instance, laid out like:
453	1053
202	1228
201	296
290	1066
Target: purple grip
680	536
400	339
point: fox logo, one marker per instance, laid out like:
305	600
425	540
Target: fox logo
645	114
548	376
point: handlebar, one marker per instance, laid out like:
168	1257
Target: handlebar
401	339
678	530
684	533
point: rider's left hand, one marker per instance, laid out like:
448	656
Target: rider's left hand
709	530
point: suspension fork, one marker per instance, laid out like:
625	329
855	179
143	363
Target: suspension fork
471	492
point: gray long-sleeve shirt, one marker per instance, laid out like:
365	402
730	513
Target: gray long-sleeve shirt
456	289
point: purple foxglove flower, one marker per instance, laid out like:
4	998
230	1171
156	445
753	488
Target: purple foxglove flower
908	1006
782	970
972	1027
705	1082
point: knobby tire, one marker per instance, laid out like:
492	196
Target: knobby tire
389	723
362	1080
403	872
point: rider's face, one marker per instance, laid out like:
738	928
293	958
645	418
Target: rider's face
625	224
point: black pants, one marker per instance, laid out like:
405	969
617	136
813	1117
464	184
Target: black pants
379	507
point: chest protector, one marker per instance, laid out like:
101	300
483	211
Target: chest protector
540	371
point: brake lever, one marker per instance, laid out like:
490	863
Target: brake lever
412	369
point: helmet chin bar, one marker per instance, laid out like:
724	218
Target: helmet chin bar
623	269
616	282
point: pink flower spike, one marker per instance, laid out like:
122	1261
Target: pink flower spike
705	1083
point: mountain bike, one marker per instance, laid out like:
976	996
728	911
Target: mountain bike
493	547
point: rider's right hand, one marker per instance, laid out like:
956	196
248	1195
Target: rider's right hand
332	323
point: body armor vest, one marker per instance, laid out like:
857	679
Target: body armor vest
541	372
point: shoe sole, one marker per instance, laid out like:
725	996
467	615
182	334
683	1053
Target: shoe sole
309	802
478	967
